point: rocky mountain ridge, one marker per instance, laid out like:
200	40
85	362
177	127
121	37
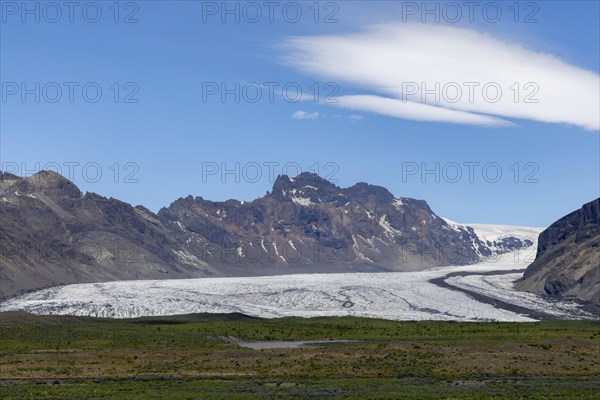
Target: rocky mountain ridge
567	262
52	234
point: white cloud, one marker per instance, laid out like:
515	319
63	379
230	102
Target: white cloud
305	115
416	111
356	117
385	60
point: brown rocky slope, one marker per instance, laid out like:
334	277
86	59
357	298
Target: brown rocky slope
567	262
51	234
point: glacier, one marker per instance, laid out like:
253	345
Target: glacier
388	295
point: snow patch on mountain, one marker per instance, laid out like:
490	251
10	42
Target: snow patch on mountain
389	230
303	201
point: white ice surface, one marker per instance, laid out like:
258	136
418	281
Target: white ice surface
492	233
392	295
501	287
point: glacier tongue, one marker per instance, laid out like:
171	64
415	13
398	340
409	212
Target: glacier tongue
393	295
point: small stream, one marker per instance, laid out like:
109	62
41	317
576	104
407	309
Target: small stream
280	344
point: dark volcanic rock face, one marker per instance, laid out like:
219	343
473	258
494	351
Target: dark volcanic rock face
567	262
53	234
307	221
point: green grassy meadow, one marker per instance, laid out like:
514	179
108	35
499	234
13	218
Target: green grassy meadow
196	357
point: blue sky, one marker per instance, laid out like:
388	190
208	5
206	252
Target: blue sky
164	145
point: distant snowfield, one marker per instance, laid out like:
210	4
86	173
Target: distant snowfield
394	295
494	232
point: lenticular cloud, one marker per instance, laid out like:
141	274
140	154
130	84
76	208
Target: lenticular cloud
449	74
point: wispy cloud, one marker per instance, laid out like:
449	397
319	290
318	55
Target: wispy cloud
449	74
305	115
416	111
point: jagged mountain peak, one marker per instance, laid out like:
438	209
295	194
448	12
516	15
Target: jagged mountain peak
364	193
310	189
45	182
310	178
285	186
7	176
